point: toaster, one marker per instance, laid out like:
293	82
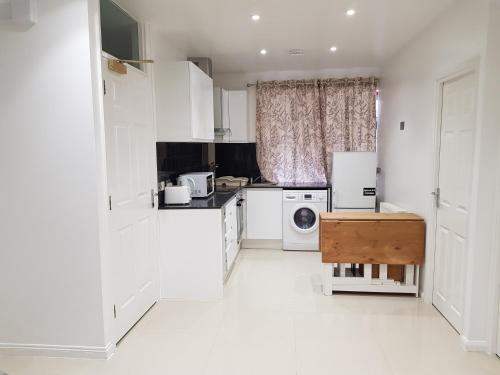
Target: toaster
177	195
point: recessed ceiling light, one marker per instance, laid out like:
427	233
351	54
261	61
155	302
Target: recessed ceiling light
263	51
350	12
333	48
255	17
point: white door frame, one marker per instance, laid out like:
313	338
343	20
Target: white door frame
472	66
147	70
495	268
495	262
467	68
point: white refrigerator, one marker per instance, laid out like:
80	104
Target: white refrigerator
354	179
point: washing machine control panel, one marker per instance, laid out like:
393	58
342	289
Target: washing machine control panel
310	196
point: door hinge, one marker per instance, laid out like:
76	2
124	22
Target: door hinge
104	86
114	311
109	201
437	196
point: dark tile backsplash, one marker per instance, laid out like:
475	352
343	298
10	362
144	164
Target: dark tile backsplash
175	158
236	159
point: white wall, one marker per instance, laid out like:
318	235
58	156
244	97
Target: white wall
238	81
51	276
408	92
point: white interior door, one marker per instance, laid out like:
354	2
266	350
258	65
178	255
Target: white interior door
455	175
131	165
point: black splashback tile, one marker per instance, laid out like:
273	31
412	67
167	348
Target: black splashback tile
175	158
236	159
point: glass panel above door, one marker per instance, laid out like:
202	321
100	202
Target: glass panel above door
119	32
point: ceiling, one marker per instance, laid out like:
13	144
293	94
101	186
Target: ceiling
223	30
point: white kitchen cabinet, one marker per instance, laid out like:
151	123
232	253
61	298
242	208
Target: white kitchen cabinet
231	115
238	121
252	113
184	103
264	214
218	107
231	233
198	247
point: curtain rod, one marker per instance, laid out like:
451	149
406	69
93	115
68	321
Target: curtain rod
284	83
316	81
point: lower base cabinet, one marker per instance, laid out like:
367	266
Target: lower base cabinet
264	214
197	249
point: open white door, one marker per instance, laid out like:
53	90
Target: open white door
453	198
131	165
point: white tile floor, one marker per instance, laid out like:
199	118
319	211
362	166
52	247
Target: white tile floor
274	320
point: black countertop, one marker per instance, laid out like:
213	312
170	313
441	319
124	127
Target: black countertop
291	186
219	199
216	201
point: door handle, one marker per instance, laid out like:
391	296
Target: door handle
153	198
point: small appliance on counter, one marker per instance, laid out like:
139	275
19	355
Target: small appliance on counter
201	184
177	195
230	182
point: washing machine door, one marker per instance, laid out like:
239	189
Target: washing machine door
304	218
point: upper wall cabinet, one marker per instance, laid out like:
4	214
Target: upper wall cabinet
231	115
184	103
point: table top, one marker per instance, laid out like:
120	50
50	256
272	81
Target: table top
369	216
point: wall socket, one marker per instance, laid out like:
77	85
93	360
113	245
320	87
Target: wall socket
402	125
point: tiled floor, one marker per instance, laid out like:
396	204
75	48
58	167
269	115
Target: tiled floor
274	320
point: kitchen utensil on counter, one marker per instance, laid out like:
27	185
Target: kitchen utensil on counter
177	195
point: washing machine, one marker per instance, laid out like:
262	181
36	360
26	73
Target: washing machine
301	209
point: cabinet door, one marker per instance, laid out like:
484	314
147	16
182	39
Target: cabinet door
208	105
225	114
202	105
173	105
217	107
264	214
231	235
238	115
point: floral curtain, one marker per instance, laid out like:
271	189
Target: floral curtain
301	123
348	108
289	133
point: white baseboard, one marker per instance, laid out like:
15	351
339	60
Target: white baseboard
262	244
89	352
473	345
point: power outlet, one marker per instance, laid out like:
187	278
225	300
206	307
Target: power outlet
402	125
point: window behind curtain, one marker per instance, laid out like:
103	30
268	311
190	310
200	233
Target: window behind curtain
119	32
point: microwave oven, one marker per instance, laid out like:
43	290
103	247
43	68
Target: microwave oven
201	184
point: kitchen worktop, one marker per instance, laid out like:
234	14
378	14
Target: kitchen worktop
291	186
216	201
219	199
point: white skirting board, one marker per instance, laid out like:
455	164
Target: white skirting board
474	345
262	244
63	351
